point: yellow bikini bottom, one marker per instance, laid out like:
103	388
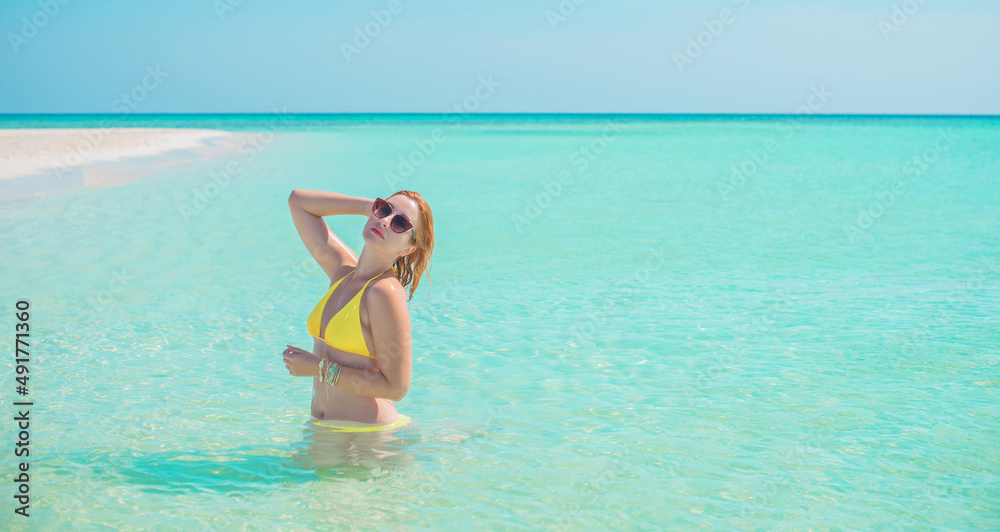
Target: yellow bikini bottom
403	420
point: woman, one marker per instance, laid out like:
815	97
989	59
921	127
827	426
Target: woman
361	359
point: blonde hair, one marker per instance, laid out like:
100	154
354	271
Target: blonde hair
411	267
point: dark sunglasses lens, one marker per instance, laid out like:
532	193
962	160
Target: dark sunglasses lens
381	208
400	224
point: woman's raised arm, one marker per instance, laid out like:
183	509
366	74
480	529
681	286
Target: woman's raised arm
308	208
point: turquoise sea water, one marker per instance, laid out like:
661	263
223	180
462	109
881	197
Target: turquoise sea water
620	330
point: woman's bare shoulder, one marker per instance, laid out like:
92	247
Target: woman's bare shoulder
385	289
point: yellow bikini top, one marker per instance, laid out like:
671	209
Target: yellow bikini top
343	331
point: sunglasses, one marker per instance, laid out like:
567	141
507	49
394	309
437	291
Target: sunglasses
399	223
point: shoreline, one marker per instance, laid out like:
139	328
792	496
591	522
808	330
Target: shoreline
46	160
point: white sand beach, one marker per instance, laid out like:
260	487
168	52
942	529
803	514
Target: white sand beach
50	159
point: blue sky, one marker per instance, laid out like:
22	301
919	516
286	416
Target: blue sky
596	56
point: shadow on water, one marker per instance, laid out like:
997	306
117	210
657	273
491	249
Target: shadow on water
318	456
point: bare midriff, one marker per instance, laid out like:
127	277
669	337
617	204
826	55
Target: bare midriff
343	404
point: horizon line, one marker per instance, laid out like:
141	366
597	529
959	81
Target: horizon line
447	114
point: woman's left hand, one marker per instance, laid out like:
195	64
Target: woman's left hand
301	363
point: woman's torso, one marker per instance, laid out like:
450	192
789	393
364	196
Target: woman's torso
343	404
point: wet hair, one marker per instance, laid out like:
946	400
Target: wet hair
410	268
